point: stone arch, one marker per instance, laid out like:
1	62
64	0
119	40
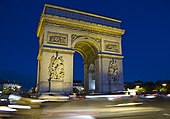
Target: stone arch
63	31
87	49
95	41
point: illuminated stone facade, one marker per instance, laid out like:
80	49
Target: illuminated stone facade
63	31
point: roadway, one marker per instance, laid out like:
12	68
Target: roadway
98	109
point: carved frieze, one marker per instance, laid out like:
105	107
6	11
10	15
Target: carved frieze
56	68
57	38
74	37
112	46
49	23
113	71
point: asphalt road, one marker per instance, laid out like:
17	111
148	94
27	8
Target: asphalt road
98	109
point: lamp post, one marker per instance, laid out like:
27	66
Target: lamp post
49	83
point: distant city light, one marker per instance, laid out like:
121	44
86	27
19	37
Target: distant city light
164	84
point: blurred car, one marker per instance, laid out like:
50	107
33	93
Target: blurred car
33	103
53	97
168	95
18	101
4	100
72	96
147	96
110	96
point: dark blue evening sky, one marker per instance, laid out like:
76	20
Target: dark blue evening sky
146	42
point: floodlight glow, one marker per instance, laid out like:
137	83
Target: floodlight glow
164	84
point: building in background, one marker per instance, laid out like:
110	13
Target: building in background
9	86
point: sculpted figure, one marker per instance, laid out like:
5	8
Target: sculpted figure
56	68
113	72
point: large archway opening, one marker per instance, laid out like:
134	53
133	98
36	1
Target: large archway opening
89	54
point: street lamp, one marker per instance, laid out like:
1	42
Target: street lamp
49	83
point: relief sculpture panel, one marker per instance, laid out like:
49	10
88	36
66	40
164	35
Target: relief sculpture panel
56	68
112	46
57	38
113	71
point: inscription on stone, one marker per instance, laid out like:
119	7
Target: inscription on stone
58	38
112	46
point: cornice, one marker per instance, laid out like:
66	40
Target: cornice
78	25
58	50
110	56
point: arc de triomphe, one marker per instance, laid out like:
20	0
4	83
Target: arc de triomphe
62	32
